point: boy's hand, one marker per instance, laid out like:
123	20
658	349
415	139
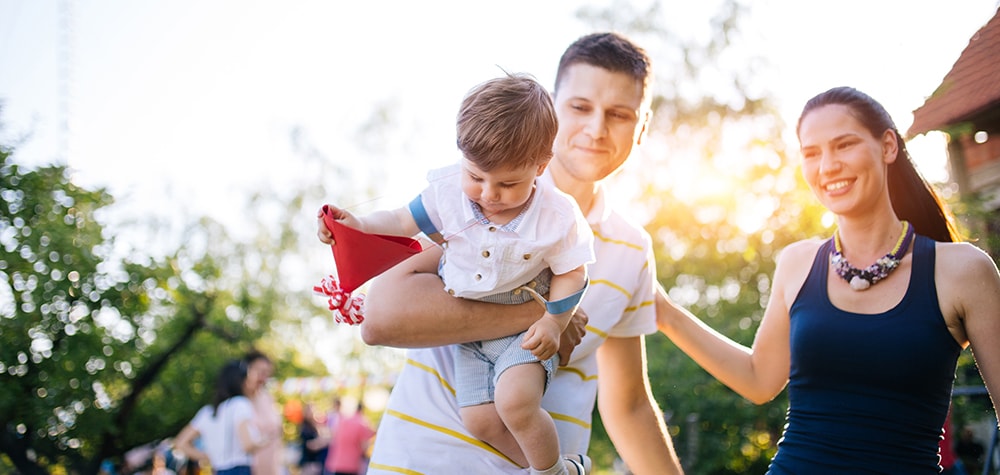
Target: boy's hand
542	338
322	232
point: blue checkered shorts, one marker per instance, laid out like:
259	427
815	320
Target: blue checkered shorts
478	365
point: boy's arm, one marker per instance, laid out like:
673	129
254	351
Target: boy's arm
396	222
542	338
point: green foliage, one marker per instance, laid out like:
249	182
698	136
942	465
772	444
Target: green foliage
99	354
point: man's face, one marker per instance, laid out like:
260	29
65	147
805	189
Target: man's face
601	116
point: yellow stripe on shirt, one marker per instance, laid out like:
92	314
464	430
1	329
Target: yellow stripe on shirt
449	432
617	241
390	468
612	285
571	420
583	376
433	371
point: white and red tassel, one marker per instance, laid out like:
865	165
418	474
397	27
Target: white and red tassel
345	308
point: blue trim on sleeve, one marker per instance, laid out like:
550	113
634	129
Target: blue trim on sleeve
566	304
424	221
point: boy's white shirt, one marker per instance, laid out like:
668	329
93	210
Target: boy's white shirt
482	260
422	415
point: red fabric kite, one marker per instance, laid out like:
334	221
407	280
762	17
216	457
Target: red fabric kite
359	257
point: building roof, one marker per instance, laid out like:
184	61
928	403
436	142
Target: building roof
972	85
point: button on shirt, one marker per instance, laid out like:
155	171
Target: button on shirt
483	258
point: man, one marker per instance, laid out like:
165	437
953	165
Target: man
603	110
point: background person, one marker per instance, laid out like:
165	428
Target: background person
269	460
224	426
314	440
351	442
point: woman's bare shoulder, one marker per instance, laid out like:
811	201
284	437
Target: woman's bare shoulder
963	260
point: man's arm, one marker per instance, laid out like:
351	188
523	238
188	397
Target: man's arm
633	420
407	307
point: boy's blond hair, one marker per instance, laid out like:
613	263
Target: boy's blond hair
507	122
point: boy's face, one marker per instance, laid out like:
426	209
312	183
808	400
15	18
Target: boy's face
601	116
500	193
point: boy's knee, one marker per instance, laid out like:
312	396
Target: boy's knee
484	428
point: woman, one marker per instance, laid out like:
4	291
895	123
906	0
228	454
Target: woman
224	426
868	354
267	419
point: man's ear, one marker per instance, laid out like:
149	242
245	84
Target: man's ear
646	117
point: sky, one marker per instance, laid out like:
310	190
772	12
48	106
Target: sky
193	103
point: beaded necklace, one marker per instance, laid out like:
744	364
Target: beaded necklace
861	279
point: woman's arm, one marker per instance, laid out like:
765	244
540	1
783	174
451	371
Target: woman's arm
758	373
246	438
975	278
185	443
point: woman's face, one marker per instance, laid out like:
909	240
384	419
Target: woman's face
259	371
844	165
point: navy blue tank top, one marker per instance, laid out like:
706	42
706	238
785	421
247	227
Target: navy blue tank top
867	393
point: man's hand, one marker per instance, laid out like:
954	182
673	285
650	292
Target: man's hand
572	335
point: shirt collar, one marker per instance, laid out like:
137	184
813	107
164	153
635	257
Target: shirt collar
599	211
474	214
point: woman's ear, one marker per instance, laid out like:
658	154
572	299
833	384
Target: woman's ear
890	146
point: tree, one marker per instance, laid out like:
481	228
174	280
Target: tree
100	354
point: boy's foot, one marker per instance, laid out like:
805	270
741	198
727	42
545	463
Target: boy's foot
579	462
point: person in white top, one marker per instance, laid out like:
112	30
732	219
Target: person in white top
224	426
602	107
508	238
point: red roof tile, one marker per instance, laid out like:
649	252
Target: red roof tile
972	85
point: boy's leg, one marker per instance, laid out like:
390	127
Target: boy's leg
518	403
483	422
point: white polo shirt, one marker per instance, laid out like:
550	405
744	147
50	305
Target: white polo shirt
421	431
483	258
